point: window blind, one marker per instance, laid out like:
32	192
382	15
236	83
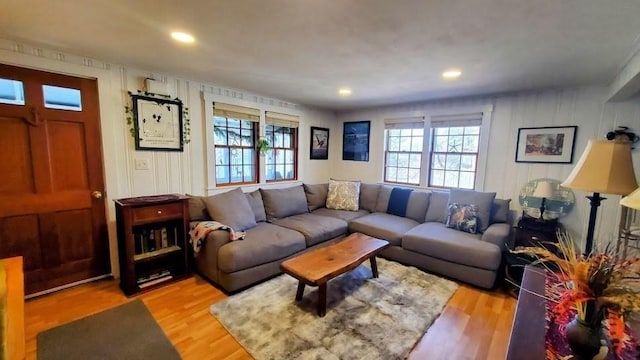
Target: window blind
472	119
405	123
274	118
236	112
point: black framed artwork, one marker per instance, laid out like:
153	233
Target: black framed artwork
550	144
355	140
319	143
157	123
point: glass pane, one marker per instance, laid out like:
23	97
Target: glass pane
289	170
453	162
248	173
392	159
280	172
468	162
442	131
270	172
247	137
271	156
222	156
414	160
222	174
466	180
236	156
403	160
219	121
287	143
394	143
11	92
455	144
233	135
247	156
277	139
438	161
456	131
236	173
441	143
470	143
405	132
472	130
405	143
279	157
437	178
416	144
245	124
418	132
234	123
414	176
451	179
56	97
392	174
220	135
288	157
403	174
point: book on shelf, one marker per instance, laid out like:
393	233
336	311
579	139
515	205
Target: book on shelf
155	281
154	276
164	240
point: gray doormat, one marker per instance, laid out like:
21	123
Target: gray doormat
128	331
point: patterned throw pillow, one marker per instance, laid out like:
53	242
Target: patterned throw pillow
463	217
343	195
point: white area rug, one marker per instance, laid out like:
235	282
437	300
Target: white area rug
366	318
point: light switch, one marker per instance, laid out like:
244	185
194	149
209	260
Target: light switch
142	164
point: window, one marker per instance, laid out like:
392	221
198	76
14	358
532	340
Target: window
11	92
61	98
454	154
281	132
403	151
235	130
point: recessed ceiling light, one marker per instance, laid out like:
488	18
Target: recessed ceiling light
452	74
344	92
182	37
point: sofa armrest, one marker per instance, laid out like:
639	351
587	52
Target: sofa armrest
207	258
498	234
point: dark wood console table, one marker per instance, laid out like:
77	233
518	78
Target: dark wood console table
528	330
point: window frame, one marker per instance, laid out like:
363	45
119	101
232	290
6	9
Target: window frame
387	137
294	143
433	152
256	168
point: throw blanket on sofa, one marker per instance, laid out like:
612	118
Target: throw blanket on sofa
398	201
202	229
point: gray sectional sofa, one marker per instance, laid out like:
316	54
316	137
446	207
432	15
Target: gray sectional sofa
281	223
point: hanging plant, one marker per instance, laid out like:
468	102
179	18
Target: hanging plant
263	146
186	123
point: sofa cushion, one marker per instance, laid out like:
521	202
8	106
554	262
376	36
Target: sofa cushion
231	208
255	200
280	203
418	205
262	244
484	201
369	196
436	240
343	195
345	215
463	217
197	208
316	195
382	203
383	226
315	228
438	205
398	200
500	211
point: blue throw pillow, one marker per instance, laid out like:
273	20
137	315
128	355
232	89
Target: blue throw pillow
398	201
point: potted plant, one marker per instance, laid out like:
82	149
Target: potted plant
263	146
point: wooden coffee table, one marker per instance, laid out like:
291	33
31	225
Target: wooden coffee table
317	267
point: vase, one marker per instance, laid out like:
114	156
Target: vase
583	338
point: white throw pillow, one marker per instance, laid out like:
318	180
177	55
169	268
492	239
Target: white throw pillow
343	195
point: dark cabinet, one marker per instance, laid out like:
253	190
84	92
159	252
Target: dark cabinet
152	241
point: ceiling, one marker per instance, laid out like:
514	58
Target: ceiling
385	51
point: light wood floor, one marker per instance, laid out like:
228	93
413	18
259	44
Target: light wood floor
474	325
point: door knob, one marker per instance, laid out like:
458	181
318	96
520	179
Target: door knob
97	194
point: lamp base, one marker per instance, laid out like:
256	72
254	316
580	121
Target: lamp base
595	201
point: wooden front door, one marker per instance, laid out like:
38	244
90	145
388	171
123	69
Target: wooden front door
52	209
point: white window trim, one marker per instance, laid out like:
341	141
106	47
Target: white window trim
208	99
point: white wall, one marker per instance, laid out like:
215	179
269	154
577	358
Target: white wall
585	107
170	172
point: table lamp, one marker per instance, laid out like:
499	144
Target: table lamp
632	200
544	190
604	167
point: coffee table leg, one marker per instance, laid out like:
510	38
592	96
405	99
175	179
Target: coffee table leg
300	291
374	266
322	300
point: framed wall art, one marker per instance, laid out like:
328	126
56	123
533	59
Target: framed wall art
551	144
157	123
319	143
355	140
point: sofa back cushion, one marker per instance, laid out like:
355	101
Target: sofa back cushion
369	196
418	205
483	200
438	205
280	203
343	195
255	200
316	195
500	211
197	208
231	208
382	203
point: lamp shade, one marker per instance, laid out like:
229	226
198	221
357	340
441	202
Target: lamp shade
632	200
544	189
605	167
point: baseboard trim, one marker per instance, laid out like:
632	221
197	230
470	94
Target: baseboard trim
66	286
